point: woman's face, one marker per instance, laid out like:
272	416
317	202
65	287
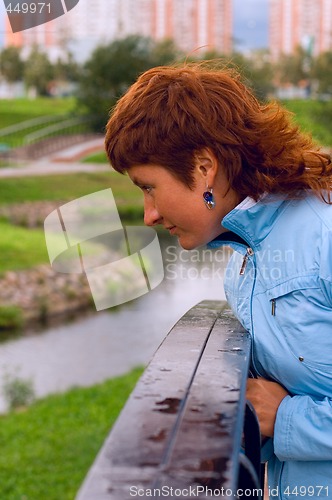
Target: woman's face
180	209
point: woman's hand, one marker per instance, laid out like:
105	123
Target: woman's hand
265	396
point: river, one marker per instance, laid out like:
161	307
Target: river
104	344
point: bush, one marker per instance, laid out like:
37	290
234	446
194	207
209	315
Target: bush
18	392
11	318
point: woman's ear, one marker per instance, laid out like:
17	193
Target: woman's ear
206	166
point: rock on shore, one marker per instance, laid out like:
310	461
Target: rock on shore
41	293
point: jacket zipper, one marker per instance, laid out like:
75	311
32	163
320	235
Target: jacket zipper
248	254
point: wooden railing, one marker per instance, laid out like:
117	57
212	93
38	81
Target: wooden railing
186	430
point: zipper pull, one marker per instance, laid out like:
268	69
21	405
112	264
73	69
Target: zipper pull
249	252
244	264
273	307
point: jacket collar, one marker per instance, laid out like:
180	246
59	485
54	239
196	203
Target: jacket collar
252	221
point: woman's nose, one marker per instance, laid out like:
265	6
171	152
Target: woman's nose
151	215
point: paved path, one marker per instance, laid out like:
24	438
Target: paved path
77	151
49	168
63	162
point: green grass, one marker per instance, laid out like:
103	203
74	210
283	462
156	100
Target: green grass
68	187
16	111
96	158
11	319
21	248
314	117
46	451
13	111
128	197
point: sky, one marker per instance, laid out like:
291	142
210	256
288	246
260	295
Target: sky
250	23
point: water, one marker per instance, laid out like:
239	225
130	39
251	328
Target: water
111	342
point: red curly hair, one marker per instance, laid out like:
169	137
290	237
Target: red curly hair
170	113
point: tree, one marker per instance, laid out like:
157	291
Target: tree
11	64
322	73
113	68
166	52
256	71
67	69
259	72
38	72
294	68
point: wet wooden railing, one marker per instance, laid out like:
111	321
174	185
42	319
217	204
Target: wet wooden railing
186	430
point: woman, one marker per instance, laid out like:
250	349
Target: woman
217	167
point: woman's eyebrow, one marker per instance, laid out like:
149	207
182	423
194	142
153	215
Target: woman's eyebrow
138	183
135	181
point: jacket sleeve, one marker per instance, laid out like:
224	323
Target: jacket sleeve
325	272
303	429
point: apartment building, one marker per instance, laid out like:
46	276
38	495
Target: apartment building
46	36
192	24
305	23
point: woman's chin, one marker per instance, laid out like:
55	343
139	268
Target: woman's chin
187	244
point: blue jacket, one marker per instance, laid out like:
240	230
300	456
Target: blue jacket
279	284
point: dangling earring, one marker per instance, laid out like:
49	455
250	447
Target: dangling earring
209	198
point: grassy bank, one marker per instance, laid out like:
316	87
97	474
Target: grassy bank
314	117
47	449
96	158
68	187
13	111
25	111
23	248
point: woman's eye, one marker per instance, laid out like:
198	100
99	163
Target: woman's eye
147	189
